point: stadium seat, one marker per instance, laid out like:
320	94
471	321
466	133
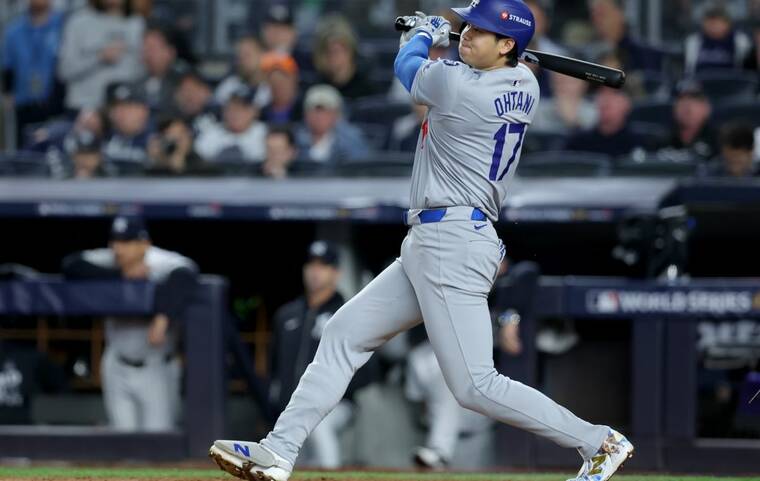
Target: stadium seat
307	168
381	164
127	168
24	164
563	163
653	111
651	136
543	141
378	109
723	85
741	110
376	134
236	167
653	167
656	85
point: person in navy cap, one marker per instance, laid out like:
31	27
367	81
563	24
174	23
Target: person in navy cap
240	137
129	116
278	31
296	330
692	135
139	369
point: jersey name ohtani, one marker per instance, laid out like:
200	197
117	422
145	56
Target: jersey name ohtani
510	101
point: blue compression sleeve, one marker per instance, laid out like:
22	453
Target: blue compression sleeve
410	58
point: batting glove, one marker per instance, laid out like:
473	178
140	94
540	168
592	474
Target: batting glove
434	27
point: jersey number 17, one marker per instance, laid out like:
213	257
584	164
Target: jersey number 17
501	139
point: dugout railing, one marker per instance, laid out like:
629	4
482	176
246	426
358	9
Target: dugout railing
663	366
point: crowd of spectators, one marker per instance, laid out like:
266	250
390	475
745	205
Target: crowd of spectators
111	89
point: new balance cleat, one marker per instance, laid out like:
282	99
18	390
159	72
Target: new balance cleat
250	461
427	458
615	450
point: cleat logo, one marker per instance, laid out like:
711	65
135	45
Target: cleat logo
597	466
244	450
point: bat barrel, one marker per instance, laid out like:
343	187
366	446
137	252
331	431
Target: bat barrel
580	69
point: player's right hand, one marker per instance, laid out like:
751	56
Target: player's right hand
436	28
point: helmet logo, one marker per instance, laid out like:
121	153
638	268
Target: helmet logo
505	15
474	3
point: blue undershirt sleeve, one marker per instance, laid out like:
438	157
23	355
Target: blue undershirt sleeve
410	58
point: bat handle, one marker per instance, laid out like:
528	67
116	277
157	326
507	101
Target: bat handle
402	26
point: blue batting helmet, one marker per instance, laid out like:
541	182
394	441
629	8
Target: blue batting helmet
509	18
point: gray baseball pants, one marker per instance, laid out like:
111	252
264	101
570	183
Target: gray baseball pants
444	274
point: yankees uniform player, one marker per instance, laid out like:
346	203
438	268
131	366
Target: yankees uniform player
467	152
140	370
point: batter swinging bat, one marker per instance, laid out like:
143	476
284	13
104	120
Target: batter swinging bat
588	71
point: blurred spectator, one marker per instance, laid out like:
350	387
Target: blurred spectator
30	54
610	25
176	18
568	110
281	152
129	119
58	135
24	374
86	156
718	45
336	58
247	72
543	43
90	121
737	144
406	130
752	60
691	132
101	45
240	136
281	73
278	32
195	101
634	80
612	134
139	369
143	8
162	70
296	330
325	135
541	40
171	149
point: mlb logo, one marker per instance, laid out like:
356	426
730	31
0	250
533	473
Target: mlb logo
604	302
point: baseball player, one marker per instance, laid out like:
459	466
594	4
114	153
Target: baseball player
140	370
468	150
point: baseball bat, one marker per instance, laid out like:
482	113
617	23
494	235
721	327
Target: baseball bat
591	72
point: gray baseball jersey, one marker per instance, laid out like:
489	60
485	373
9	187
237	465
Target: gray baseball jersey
144	398
468	150
470	142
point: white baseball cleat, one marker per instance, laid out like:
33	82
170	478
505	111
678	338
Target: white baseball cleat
615	450
427	458
250	461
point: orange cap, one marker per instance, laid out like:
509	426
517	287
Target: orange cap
272	61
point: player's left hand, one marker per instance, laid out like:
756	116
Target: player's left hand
509	339
157	330
436	28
